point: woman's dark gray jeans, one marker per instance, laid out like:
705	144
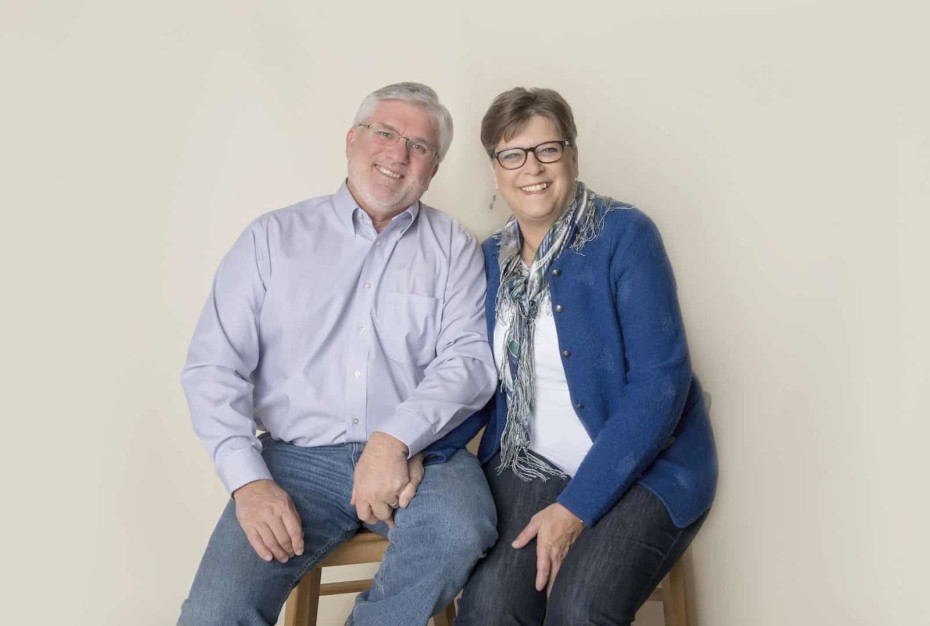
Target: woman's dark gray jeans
608	574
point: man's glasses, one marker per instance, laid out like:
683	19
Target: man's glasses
387	136
548	152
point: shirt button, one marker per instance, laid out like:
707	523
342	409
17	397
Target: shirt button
361	330
367	285
566	353
556	272
357	373
355	421
558	308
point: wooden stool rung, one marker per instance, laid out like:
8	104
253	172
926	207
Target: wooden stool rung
344	586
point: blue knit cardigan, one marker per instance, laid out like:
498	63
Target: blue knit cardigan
629	374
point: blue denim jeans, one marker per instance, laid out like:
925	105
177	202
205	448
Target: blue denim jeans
607	575
436	541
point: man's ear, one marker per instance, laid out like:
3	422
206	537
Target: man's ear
350	138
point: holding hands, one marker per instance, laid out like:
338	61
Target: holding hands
384	479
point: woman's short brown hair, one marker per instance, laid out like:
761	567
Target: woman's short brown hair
511	110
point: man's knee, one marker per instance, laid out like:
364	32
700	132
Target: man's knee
215	611
203	612
471	537
233	585
464	512
451	522
460	536
225	601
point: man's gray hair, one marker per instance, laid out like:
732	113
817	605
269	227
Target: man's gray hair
419	95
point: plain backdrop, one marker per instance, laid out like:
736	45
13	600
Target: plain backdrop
782	147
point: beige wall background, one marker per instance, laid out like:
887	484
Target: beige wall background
783	148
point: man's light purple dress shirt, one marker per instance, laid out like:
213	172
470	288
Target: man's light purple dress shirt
322	331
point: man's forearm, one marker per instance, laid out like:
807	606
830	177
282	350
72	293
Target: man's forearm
446	397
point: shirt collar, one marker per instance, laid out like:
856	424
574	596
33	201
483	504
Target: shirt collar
347	209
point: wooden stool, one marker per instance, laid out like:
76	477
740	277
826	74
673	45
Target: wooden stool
671	592
366	547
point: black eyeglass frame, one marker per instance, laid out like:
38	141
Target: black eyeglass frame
562	142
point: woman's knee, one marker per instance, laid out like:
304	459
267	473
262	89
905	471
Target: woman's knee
502	590
502	601
578	606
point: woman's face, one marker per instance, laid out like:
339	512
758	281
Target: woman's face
537	192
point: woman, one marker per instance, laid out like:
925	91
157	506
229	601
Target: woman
597	447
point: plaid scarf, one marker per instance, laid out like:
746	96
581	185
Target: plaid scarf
522	292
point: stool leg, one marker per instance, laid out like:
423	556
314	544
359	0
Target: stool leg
673	597
446	616
304	602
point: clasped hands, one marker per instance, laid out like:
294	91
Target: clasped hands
384	480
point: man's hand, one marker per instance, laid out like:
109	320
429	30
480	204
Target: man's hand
270	521
556	529
380	475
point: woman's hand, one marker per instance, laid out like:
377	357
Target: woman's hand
556	529
415	470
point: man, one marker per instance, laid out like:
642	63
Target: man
350	328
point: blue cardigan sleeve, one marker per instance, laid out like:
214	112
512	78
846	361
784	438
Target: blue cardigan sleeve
656	370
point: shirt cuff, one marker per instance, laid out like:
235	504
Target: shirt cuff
242	467
413	430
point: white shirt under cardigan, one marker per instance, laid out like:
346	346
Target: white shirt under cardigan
556	432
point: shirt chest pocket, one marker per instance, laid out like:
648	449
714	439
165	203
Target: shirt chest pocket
408	327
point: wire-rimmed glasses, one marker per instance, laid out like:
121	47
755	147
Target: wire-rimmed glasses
387	135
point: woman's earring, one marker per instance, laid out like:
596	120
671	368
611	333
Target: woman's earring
493	200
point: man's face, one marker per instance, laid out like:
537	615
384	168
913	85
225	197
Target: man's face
386	178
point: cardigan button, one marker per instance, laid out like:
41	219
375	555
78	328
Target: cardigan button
556	272
579	405
558	308
566	353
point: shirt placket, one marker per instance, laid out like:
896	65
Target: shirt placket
364	305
